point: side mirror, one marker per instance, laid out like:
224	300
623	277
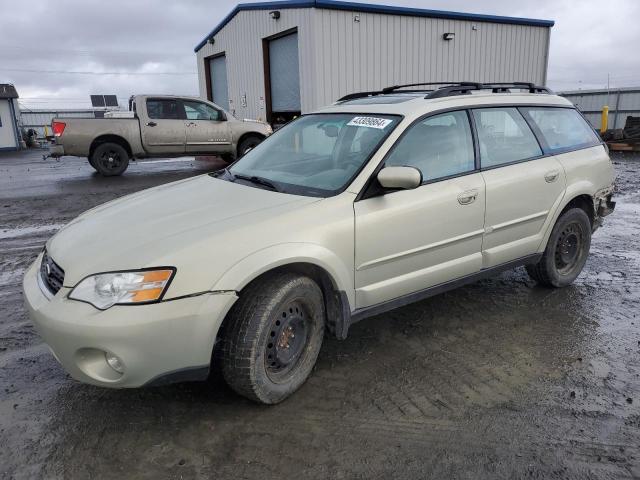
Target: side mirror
403	178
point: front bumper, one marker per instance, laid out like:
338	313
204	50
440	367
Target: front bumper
154	342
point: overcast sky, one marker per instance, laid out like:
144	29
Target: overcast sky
130	46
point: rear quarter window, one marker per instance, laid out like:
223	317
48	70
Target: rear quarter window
562	128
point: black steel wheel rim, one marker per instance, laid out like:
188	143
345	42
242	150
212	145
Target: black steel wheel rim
110	160
287	339
569	248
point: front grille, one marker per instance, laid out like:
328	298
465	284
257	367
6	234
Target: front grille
51	273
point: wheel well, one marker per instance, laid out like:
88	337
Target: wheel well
244	136
109	139
336	302
585	202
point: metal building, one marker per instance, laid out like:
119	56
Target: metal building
622	102
274	60
9	132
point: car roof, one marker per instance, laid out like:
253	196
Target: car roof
415	104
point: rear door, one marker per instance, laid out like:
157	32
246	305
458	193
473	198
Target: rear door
163	129
523	185
207	129
409	240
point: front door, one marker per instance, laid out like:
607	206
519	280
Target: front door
163	131
523	186
207	129
409	240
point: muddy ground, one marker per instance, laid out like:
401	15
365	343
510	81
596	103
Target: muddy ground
499	379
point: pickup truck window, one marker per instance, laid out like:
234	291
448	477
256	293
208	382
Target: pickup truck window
164	109
200	111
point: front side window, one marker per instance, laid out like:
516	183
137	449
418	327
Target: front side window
562	128
504	137
439	146
200	111
317	154
163	109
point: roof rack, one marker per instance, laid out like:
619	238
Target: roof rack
449	89
464	88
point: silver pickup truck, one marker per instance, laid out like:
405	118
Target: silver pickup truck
156	126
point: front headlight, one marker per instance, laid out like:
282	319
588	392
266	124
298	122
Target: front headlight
123	288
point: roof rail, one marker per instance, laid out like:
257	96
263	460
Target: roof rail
450	88
391	89
464	88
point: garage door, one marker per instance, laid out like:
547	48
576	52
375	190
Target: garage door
219	89
284	74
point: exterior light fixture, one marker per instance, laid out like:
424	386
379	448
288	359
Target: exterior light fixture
274	14
211	40
356	18
448	36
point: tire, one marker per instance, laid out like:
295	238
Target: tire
91	163
247	144
566	252
109	159
262	357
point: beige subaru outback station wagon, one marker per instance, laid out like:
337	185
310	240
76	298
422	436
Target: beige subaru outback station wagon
382	199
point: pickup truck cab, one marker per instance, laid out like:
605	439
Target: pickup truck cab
158	126
379	200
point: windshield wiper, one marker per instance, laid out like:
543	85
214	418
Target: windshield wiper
257	180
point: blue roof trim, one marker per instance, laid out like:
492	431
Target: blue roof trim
372	8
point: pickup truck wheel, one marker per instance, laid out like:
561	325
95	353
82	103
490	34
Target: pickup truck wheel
273	337
566	252
109	159
247	144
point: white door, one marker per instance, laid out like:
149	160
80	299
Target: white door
207	130
409	240
523	186
163	131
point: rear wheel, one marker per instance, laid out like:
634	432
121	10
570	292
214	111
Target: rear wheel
566	252
273	337
109	159
247	144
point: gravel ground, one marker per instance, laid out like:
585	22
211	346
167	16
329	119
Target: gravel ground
499	379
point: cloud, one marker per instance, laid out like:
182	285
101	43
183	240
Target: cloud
152	38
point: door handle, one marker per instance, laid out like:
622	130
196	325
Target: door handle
151	124
192	124
551	176
467	197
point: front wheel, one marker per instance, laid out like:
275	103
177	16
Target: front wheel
247	144
566	252
273	337
109	159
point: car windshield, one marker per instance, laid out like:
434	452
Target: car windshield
315	155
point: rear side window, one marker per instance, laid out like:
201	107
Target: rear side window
164	109
438	146
504	137
562	128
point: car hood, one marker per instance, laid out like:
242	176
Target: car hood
156	227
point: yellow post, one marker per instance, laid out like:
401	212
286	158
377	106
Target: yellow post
604	123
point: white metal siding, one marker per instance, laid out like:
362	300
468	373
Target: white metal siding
339	56
622	103
7	133
241	40
382	50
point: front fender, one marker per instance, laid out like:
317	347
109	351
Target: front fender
262	261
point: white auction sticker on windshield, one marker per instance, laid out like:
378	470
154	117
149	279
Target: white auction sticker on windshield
371	122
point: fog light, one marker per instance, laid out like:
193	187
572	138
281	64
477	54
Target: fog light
114	362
